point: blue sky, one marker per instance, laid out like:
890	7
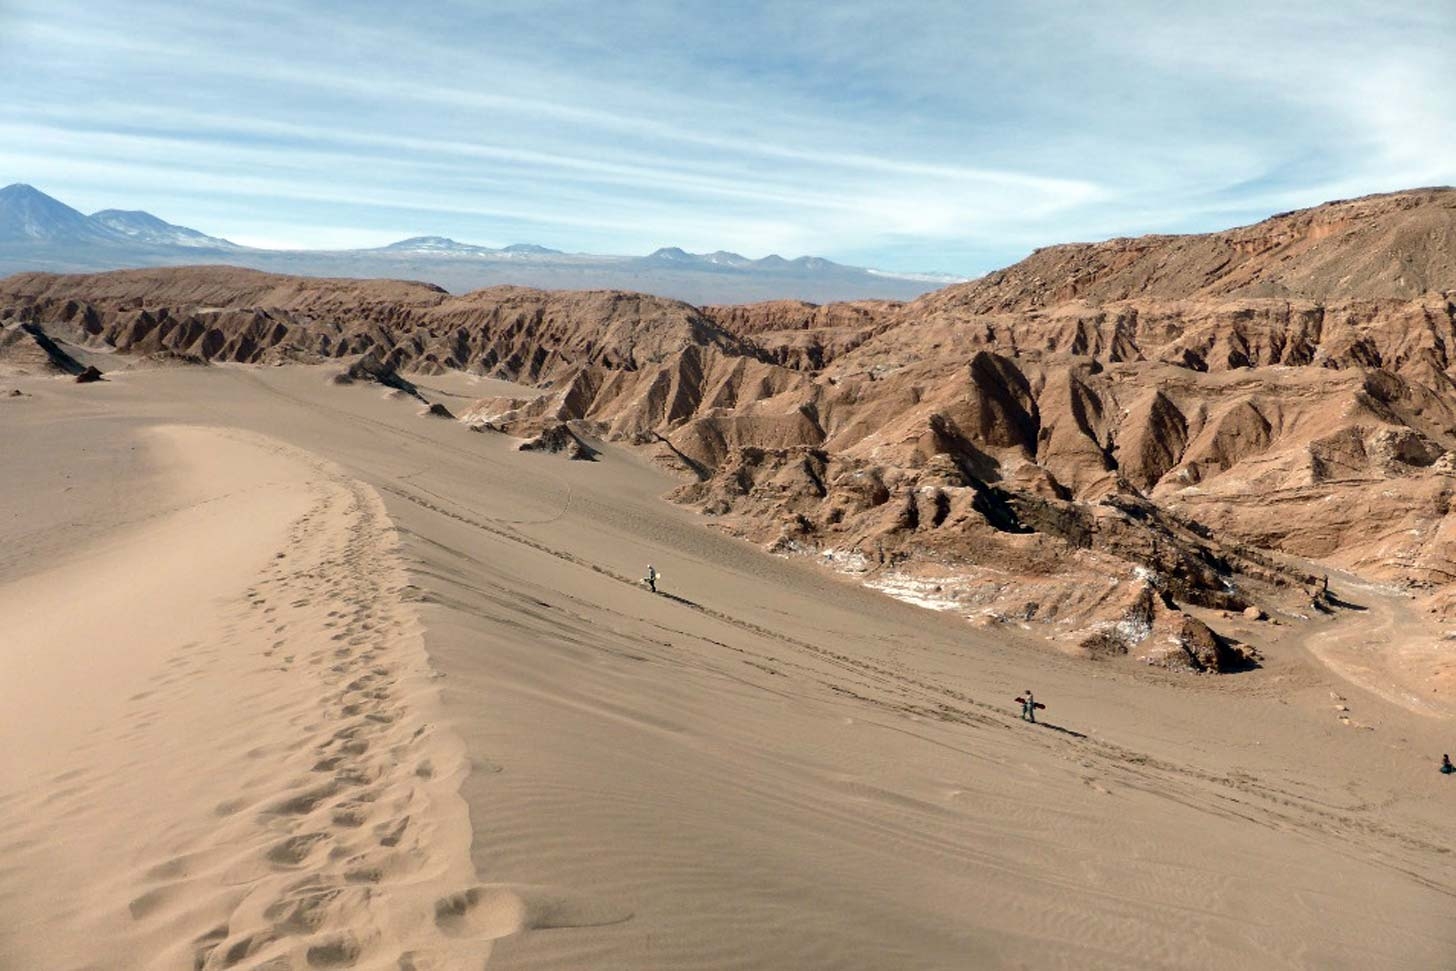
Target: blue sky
952	137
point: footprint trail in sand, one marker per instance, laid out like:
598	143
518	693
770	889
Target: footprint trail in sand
276	796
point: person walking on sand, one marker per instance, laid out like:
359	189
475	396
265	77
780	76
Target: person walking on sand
1028	707
651	578
1446	767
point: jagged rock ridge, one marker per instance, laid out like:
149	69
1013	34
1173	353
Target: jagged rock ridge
1085	440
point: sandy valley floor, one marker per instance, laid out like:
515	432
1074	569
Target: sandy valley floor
293	677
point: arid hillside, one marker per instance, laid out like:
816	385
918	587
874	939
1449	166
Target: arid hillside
1398	245
1086	442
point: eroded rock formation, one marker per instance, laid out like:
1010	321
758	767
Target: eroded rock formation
1088	440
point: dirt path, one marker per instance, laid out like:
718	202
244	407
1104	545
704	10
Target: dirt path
1383	643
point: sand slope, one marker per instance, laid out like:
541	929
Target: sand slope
218	747
764	766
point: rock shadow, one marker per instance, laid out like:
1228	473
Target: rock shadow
1342	604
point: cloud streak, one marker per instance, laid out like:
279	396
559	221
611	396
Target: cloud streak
939	136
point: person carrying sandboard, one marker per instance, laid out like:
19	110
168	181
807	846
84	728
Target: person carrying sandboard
1029	705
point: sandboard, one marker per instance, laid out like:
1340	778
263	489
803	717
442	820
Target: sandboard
1022	701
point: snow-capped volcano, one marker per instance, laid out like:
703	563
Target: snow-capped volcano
531	249
143	227
435	244
445	246
38	232
28	215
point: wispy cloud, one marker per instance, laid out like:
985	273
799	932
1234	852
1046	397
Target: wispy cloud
943	135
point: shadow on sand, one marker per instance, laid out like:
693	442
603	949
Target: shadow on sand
1059	728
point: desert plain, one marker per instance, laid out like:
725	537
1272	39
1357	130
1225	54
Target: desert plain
298	674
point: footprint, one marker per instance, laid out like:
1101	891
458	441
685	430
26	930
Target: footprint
204	946
306	802
391	833
150	902
352	816
245	947
364	874
492	911
170	870
294	850
228	807
303	913
341	951
356	776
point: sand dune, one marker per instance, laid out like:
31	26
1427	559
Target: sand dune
765	766
218	740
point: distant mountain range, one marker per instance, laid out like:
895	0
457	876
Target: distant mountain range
38	232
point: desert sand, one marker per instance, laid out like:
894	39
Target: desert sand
295	677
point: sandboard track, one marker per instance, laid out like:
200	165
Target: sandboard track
898	690
1129	858
1266	802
